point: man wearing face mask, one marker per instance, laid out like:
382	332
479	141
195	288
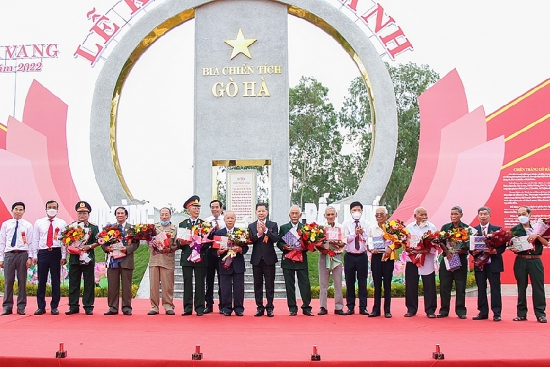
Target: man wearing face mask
217	220
355	259
50	255
426	271
529	264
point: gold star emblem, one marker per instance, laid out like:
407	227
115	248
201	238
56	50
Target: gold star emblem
240	45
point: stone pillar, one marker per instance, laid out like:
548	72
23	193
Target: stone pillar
241	103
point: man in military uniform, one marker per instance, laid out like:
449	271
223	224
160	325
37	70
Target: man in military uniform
291	269
529	264
78	269
197	267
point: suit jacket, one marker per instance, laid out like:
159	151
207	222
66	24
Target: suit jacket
128	260
497	265
260	249
287	263
186	250
237	266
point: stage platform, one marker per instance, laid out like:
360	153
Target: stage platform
356	340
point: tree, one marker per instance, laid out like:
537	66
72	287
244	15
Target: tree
315	143
410	81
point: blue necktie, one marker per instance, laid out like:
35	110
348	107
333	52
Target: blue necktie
14	238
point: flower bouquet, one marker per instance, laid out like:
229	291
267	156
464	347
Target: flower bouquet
419	247
493	240
240	237
457	243
200	236
74	237
438	237
396	232
311	235
112	236
160	242
542	228
140	232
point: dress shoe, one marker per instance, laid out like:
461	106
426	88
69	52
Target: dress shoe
374	314
462	317
186	313
89	312
542	319
40	311
520	318
259	313
71	312
350	311
54	311
409	314
497	318
21	312
239	314
221	312
208	310
109	313
308	313
153	312
480	317
270	313
431	316
227	313
339	312
322	311
7	312
200	313
442	315
127	312
292	313
364	312
387	315
170	312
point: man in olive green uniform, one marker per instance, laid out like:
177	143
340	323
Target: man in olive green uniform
446	277
78	269
529	263
189	267
291	269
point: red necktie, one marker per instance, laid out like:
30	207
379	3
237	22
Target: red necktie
483	231
357	246
49	239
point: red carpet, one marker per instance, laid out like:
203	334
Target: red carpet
249	341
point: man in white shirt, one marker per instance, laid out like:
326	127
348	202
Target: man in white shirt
217	220
15	257
356	259
426	271
50	255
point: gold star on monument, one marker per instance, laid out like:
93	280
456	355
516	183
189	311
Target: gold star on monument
240	45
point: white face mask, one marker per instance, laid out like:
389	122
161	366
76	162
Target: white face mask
51	212
523	219
356	215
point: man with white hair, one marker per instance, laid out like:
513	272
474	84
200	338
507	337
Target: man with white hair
426	271
293	269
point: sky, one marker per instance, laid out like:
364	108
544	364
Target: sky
499	48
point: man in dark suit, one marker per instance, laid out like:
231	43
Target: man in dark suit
121	268
446	277
263	234
189	267
491	270
291	269
232	276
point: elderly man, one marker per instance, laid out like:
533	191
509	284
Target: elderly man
162	264
293	269
529	264
491	270
382	263
458	276
331	265
356	259
15	257
426	271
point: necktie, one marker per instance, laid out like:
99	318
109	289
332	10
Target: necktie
49	239
14	238
216	226
483	231
357	236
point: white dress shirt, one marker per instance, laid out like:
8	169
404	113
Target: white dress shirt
6	235
429	260
349	228
40	234
221	222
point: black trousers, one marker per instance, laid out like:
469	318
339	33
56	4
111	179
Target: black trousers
355	267
264	273
446	279
411	290
232	288
211	271
496	298
49	262
76	272
382	273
